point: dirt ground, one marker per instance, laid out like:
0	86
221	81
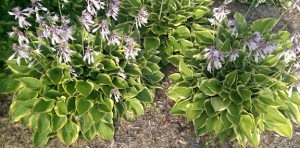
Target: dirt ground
148	130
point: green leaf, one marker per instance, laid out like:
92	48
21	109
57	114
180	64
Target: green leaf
61	108
83	105
45	80
68	133
85	122
244	92
235	97
210	123
240	20
176	77
234	109
133	69
145	96
95	113
187	73
40	139
217	104
91	133
155	77
8	85
181	32
31	83
151	43
69	87
43	106
71	104
135	105
209	108
204	37
84	87
200	121
18	69
177	93
107	105
109	64
120	83
55	74
264	25
230	79
58	122
203	87
180	107
26	94
214	86
104	79
105	131
18	111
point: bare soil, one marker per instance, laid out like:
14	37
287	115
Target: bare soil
148	130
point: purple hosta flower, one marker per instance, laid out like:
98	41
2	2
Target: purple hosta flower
89	55
21	38
45	30
212	21
141	18
122	73
64	53
131	51
233	25
36	7
220	13
114	38
104	29
294	85
94	5
55	35
113	10
214	58
19	16
87	20
288	56
233	55
253	42
263	50
73	72
21	52
66	30
115	92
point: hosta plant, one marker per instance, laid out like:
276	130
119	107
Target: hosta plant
71	78
241	82
171	24
255	3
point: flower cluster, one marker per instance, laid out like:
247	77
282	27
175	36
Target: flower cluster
257	48
214	58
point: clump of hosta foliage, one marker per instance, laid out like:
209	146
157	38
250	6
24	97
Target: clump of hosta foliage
241	82
71	78
256	3
171	24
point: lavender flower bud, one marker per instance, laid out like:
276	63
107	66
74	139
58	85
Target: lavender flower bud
87	20
131	51
114	8
115	92
141	18
114	38
214	58
220	13
104	29
94	5
233	55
